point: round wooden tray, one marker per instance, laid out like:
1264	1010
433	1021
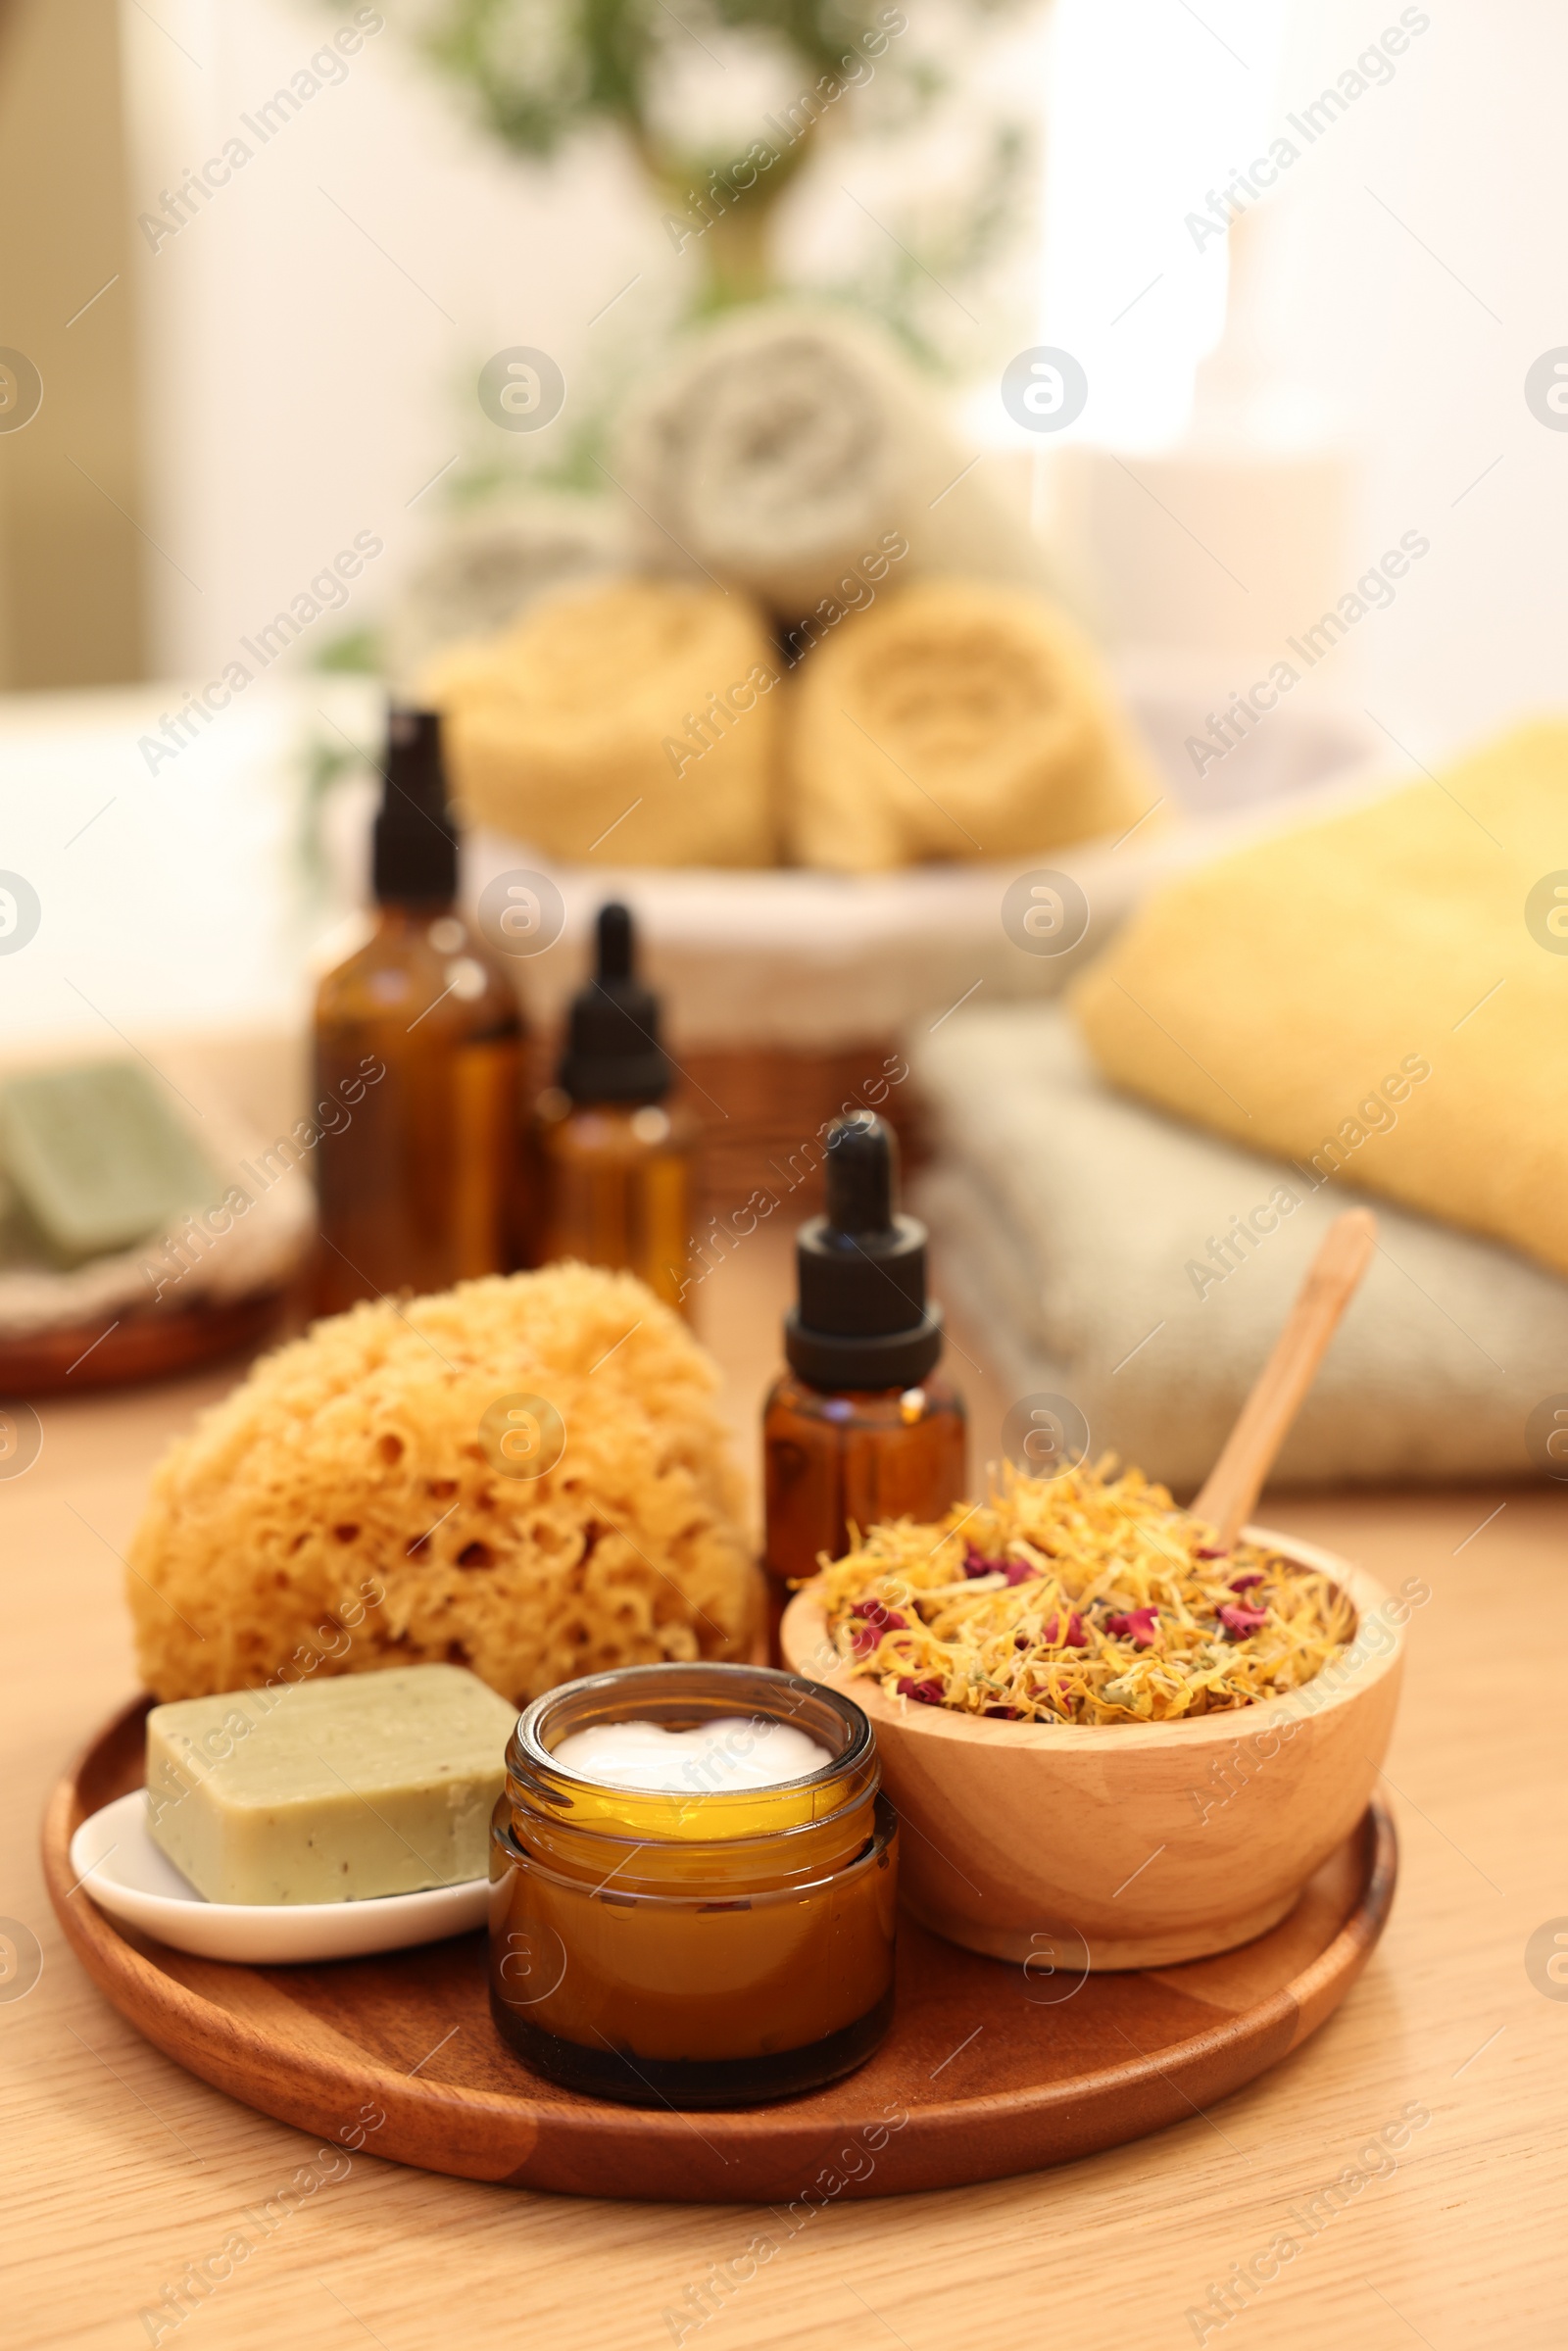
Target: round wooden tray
984	2072
139	1347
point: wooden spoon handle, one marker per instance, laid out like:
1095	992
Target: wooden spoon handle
1236	1480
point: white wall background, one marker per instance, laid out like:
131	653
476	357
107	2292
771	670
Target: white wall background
305	381
1417	332
312	335
1416	263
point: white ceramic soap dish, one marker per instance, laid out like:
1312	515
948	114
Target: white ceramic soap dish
116	1862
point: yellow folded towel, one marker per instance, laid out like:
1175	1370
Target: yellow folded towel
1384	994
642	709
956	720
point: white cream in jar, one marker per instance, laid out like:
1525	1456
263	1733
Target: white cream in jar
733	1751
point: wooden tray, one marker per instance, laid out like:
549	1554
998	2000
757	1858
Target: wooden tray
989	2073
139	1347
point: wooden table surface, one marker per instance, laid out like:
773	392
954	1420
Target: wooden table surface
119	2169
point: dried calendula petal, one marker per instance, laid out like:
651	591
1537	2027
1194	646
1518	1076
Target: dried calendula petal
1086	1598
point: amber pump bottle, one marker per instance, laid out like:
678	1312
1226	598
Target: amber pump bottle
612	1159
419	1064
861	1427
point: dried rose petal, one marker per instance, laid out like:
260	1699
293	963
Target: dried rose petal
1246	1582
1004	1714
1238	1620
1075	1637
878	1620
927	1693
1018	1571
975	1563
1210	1551
1137	1624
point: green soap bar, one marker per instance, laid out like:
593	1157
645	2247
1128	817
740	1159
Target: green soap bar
96	1159
329	1792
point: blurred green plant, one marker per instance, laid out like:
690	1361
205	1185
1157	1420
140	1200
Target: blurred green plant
321	765
358	651
544	72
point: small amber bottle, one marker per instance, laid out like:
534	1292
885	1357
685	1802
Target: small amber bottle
861	1427
418	1043
612	1159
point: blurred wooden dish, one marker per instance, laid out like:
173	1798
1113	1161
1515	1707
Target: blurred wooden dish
1139	1845
138	1345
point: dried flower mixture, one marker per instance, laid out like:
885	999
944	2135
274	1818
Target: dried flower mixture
1085	1598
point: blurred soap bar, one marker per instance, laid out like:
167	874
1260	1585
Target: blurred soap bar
96	1159
329	1792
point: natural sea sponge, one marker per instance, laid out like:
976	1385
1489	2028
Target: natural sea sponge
365	1499
640	715
957	719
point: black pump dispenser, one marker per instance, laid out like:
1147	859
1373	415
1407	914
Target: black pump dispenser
863	1319
612	1050
415	852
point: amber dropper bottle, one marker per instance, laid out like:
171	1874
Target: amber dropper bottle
419	1065
611	1157
861	1427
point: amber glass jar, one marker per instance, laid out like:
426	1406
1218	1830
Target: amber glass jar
702	1948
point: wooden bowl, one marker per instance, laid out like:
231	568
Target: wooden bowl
1070	1846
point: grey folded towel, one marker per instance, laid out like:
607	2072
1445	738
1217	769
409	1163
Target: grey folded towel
1079	1229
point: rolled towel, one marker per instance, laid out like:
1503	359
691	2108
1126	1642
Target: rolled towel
785	447
645	708
1142	1269
958	720
485	570
1384	992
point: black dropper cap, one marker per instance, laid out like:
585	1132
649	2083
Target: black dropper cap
415	854
612	1050
862	1320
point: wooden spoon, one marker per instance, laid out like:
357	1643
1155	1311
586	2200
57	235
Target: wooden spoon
1263	1423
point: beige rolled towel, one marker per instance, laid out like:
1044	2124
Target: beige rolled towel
957	719
645	708
786	446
